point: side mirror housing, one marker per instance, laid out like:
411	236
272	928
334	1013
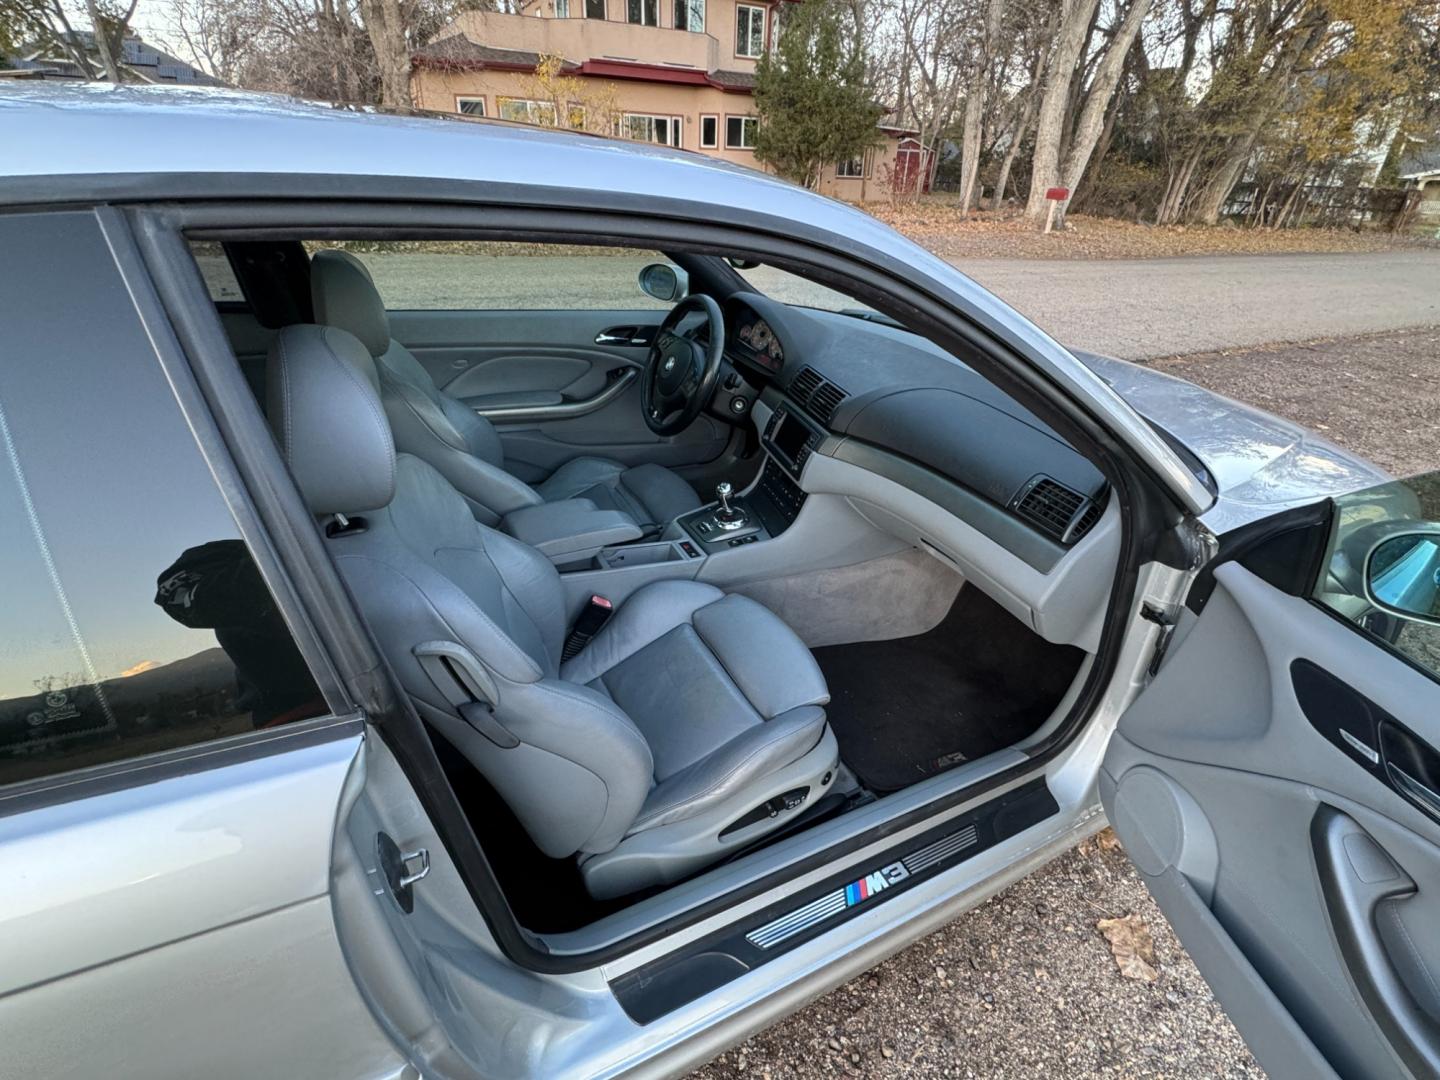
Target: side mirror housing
1402	574
664	282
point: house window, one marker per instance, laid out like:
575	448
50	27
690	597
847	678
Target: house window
664	130
527	112
690	15
643	12
595	9
749	30
852	167
740	132
709	132
470	106
562	9
576	116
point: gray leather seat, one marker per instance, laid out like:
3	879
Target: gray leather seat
686	714
463	445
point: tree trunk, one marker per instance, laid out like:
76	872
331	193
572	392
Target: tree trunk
1045	173
103	43
1022	126
386	28
975	106
1097	102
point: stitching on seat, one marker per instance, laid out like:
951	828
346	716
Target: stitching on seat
367	394
285	393
739	766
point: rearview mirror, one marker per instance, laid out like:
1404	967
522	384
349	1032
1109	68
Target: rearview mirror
664	282
1402	574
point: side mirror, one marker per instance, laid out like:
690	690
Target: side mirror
1402	574
664	282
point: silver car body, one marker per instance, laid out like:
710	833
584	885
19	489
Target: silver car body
257	875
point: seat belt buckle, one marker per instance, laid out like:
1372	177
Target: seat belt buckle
592	617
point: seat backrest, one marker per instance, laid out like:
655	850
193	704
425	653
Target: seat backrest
471	620
425	420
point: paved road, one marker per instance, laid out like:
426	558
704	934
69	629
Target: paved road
1138	309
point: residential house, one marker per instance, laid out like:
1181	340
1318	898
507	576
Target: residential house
1420	170
676	72
142	62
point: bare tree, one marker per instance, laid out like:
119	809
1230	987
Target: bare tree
975	103
1065	56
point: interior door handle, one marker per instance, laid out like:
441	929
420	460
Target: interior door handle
633	336
1356	877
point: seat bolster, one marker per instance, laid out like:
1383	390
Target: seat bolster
649	614
579	475
664	494
724	774
762	655
581	725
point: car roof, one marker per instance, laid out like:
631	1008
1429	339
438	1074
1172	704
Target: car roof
99	129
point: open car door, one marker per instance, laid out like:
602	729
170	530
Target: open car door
1278	786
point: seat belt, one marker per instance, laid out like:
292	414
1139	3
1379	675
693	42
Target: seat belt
592	618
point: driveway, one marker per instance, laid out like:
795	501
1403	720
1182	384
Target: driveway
1138	309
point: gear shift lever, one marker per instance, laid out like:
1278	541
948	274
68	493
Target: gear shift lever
727	516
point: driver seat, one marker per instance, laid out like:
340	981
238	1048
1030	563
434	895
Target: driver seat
691	725
460	443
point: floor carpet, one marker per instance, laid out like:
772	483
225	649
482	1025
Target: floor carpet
909	708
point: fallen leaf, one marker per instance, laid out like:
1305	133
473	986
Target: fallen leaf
1132	947
1106	840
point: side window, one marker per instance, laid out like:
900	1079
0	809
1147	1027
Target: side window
134	619
215	268
1382	570
485	276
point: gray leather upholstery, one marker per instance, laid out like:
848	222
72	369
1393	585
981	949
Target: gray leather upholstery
459	442
690	708
571	530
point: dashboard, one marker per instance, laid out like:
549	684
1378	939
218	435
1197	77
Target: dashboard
892	402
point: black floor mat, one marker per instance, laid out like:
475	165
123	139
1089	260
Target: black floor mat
907	709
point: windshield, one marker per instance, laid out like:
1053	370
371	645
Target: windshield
791	288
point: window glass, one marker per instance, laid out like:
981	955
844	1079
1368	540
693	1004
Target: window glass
134	620
664	130
471	106
215	268
1384	555
851	167
463	275
690	15
528	112
644	12
562	9
740	132
709	132
749	30
595	9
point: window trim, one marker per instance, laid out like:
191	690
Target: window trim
742	117
502	101
642	6
764	15
677	124
864	172
677	6
461	99
713	144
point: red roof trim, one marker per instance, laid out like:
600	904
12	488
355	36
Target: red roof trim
657	73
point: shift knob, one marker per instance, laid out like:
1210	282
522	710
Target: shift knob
723	491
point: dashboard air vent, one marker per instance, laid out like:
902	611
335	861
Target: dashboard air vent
1053	507
819	397
1088	518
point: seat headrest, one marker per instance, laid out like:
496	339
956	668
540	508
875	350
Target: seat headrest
323	402
344	295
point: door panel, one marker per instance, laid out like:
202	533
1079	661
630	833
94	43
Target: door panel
489	358
1305	885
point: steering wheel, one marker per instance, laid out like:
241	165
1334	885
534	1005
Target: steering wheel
680	373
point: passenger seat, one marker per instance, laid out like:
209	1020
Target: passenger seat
461	443
692	723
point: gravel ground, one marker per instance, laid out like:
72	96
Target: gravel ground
1025	985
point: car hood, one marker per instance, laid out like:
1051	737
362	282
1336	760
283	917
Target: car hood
1260	463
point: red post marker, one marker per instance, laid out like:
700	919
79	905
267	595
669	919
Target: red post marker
1056	195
